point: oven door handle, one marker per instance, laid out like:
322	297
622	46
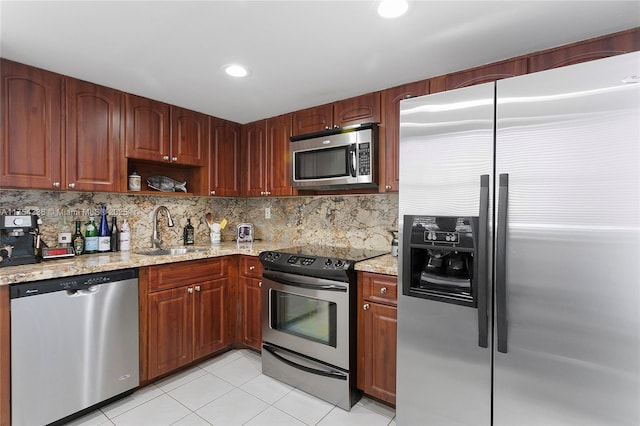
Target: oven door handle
326	373
303	281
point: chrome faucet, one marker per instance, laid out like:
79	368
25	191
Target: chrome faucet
155	241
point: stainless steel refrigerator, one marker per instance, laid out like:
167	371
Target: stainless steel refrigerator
519	211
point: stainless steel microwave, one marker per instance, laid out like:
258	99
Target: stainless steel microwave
342	158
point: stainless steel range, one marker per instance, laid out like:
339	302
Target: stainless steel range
309	319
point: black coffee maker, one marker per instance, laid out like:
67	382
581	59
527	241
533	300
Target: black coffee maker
19	240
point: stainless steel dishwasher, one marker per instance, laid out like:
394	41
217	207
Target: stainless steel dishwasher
74	345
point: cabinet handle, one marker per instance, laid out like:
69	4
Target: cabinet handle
213	192
387	187
174	159
327	127
72	185
260	284
335	126
383	290
197	288
165	158
56	184
251	268
365	306
190	290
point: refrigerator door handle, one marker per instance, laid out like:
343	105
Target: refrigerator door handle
501	264
483	320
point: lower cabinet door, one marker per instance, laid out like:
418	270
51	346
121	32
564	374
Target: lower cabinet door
210	317
170	330
251	305
380	336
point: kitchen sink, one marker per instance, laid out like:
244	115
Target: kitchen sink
170	251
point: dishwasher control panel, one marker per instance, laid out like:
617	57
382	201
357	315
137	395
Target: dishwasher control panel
77	282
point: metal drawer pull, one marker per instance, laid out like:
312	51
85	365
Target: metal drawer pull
365	307
190	290
197	288
251	268
260	284
383	290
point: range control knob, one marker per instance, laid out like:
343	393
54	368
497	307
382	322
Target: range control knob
339	263
328	262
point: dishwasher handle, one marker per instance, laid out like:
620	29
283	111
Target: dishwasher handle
79	292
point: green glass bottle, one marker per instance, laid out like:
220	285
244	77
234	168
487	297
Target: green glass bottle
91	236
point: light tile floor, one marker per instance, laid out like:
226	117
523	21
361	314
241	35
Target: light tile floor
231	390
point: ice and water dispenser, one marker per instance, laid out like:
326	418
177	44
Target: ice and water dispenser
440	259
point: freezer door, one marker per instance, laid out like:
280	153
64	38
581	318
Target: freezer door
567	156
446	145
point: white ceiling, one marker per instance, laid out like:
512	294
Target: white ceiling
300	53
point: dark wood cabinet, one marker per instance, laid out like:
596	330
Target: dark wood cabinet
588	50
92	137
187	309
31	138
377	335
159	132
486	73
44	147
390	133
250	292
148	129
189	137
347	112
224	158
266	157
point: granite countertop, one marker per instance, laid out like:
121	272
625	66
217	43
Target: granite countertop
109	261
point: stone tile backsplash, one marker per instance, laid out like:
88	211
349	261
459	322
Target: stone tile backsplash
361	221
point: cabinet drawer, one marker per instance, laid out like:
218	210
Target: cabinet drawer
162	277
380	288
250	266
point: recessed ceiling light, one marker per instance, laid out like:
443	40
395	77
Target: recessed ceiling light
392	8
236	70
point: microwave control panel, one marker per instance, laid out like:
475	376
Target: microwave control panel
364	158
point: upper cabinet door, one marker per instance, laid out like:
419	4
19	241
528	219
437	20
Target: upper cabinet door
93	135
312	120
189	137
254	146
601	47
31	131
147	135
390	154
358	110
224	158
486	73
278	163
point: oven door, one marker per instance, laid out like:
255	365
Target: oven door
307	315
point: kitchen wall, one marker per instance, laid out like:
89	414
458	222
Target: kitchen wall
361	221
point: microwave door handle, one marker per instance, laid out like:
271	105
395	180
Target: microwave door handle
352	159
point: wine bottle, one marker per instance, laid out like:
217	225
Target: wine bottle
188	233
91	236
104	239
115	235
78	240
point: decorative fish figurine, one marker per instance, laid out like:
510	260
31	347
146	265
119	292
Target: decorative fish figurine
166	184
